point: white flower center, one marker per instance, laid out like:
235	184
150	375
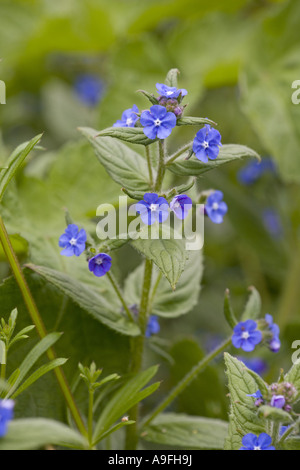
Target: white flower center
169	93
215	206
245	335
157	122
256	448
73	241
153	207
177	205
129	121
205	144
98	261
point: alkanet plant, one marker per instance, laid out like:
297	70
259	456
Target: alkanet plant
167	271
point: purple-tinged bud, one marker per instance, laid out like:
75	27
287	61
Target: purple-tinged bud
178	111
278	401
258	402
274	387
288	408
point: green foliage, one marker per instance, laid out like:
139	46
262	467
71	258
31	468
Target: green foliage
188	432
253	307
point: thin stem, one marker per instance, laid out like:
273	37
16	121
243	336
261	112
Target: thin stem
155	287
178	153
118	292
3	371
148	156
161	165
37	320
137	352
189	377
90	416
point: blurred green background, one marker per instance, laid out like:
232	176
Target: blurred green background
238	59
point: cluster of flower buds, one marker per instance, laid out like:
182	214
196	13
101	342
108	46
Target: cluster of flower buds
280	395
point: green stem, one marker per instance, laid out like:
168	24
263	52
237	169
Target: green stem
90	417
137	352
178	153
148	156
3	371
189	377
118	292
37	320
161	165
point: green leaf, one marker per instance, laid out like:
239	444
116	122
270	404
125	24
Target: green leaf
113	429
90	299
274	414
124	399
293	443
134	135
32	357
253	307
293	376
193	167
171	78
168	254
124	165
228	311
189	432
194	121
150	96
243	414
39	373
167	303
35	433
15	161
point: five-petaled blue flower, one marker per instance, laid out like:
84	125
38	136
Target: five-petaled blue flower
246	335
158	122
153	208
278	401
181	205
215	208
153	326
274	342
89	89
206	144
6	415
73	241
252	442
170	91
100	264
129	118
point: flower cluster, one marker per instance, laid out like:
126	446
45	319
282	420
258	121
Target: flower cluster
248	334
6	415
154	208
252	442
280	395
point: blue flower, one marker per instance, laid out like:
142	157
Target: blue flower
181	205
252	442
170	91
6	415
152	327
256	364
129	118
73	241
246	335
278	401
255	395
89	89
272	222
254	170
206	144
157	122
274	343
153	208
215	208
100	264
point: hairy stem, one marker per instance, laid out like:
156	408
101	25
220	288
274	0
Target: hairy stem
189	377
118	292
148	156
161	165
178	153
137	352
37	320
